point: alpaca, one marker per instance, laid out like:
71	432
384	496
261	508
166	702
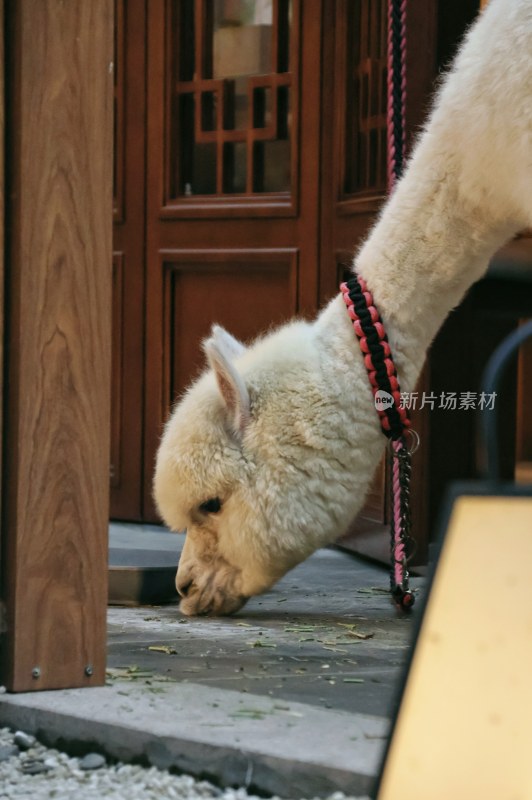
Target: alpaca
268	456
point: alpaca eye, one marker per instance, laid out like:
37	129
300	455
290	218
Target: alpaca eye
211	506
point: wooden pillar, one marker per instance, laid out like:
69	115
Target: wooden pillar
58	342
2	279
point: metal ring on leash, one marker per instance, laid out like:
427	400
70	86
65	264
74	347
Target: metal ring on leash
412	447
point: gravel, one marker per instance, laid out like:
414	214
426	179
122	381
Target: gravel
30	771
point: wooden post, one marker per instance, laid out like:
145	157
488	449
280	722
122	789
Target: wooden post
58	332
2	277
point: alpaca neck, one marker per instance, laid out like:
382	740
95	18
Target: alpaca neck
426	250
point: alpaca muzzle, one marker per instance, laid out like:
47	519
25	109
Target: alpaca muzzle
211	592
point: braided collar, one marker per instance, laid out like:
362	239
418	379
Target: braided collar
377	355
395	423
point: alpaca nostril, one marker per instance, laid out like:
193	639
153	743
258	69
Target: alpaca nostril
184	588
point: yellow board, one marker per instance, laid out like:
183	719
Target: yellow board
465	727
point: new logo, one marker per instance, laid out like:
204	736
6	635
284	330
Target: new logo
383	400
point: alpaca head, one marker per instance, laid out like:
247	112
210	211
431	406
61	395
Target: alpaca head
244	467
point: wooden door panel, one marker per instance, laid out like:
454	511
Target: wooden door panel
254	288
353	147
232	190
354	174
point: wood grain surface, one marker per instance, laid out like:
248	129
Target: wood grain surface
2	249
59	214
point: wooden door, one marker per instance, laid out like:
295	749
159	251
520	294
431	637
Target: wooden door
232	201
354	169
251	147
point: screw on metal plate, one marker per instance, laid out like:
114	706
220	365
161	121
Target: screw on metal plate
36	672
89	670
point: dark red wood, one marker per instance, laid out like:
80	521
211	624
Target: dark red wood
246	259
353	184
300	241
128	261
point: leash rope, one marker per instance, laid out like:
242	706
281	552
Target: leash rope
401	453
396	89
395	424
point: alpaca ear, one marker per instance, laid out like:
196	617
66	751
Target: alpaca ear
232	388
231	346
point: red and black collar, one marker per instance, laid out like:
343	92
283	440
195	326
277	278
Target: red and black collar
395	424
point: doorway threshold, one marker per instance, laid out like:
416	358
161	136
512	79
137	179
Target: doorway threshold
142	564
